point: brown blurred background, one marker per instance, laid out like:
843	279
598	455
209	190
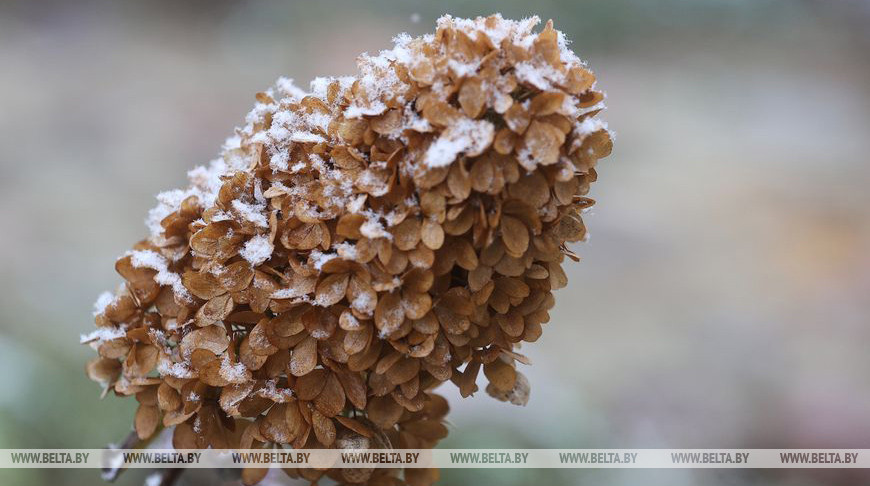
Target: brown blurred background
723	297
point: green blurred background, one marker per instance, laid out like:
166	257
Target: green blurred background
723	297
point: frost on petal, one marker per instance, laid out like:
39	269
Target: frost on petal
469	136
155	261
257	250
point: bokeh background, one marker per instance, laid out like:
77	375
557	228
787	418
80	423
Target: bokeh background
722	300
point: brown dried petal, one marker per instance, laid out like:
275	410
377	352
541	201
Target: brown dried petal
432	234
518	395
232	396
259	339
331	289
309	386
355	426
304	357
403	370
389	313
324	428
511	323
500	374
558	279
147	418
215	310
543	141
286	325
471	97
467	380
416	305
212	338
547	103
367	358
293	417
354	388
236	276
384	411
356	341
274	425
515	235
168	398
303	237
407	234
361	296
331	400
203	285
517	118
251	360
432	430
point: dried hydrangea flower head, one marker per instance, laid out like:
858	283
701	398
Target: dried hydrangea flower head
358	245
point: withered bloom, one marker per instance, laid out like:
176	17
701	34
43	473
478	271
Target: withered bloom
359	244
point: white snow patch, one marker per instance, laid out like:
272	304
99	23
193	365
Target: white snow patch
346	250
362	302
306	137
155	261
234	373
167	367
103	334
272	392
589	126
257	250
252	213
103	300
318	258
205	183
286	293
466	135
373	228
286	87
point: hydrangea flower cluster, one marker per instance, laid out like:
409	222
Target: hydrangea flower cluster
358	245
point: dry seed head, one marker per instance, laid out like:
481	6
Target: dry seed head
359	244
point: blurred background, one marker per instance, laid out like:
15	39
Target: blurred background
722	300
